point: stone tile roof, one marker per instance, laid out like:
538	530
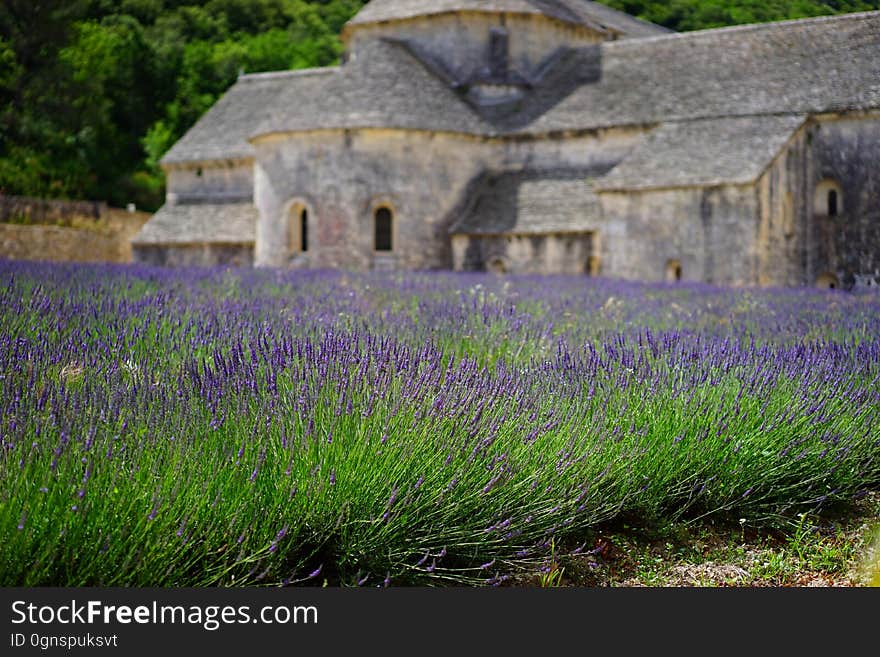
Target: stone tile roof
794	67
703	153
228	223
223	130
385	86
812	65
628	26
530	203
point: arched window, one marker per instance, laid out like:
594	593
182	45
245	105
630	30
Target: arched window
383	235
304	230
828	200
673	271
832	203
297	230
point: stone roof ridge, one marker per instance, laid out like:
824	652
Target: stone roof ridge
296	73
378	11
562	11
775	26
593	15
631	25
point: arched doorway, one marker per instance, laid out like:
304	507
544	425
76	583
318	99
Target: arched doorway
828	281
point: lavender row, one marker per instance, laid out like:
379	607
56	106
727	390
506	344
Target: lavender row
219	427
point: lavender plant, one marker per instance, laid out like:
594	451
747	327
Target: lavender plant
215	427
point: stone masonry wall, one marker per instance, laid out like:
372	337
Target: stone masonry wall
79	238
523	254
461	40
210	181
784	217
710	232
28	211
341	178
846	152
195	255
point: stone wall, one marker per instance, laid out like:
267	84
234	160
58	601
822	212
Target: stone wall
524	254
461	40
343	177
707	233
231	180
845	152
196	255
64	231
784	217
29	211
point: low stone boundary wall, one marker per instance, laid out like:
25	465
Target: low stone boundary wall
66	231
29	211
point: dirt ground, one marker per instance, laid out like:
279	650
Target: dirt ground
815	551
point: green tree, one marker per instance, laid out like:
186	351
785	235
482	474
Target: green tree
94	92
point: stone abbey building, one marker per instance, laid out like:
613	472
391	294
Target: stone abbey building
545	136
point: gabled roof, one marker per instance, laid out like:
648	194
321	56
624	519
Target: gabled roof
703	153
806	66
530	203
794	67
228	223
222	132
384	87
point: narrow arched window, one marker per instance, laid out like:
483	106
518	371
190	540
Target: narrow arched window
828	199
383	229
297	230
832	203
304	230
673	271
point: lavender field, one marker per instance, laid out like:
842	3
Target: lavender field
229	428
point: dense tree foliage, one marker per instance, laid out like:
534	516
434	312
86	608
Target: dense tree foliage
94	92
